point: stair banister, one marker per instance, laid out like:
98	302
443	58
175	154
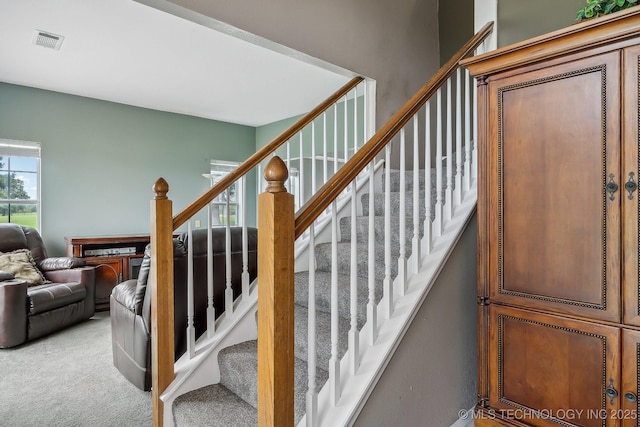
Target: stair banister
261	154
163	225
161	271
275	299
368	152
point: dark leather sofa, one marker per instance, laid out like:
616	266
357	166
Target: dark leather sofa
131	300
29	312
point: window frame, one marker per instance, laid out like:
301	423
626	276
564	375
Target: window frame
18	148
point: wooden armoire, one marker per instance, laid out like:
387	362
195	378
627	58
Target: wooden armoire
558	211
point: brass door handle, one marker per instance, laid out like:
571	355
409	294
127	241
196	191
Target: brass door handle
611	392
611	187
630	185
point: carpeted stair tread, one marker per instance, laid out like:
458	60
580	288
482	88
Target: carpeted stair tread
236	395
213	405
362	229
323	293
323	259
323	336
239	373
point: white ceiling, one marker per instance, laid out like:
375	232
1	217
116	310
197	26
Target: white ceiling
127	52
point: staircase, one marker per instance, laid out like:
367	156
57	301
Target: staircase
233	402
369	244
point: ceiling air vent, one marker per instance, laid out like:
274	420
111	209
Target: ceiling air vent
48	40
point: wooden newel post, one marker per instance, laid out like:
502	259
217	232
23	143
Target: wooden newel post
275	299
161	279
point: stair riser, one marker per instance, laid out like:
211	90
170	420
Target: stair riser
362	230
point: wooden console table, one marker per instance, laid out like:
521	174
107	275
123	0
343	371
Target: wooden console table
117	258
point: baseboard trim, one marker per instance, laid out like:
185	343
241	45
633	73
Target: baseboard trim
466	418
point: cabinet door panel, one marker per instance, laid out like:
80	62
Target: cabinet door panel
630	170
555	146
629	408
556	366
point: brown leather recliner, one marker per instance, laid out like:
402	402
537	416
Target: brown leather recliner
131	300
29	312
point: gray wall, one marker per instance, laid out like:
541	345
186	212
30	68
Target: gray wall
433	373
455	23
393	42
520	20
100	159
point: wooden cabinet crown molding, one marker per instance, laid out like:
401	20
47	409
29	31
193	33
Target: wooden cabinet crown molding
590	34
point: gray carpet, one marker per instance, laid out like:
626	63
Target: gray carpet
68	379
238	364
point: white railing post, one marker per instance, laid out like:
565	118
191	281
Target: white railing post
458	187
191	332
402	256
388	281
415	241
372	315
211	311
448	203
467	132
245	240
353	306
427	179
228	292
439	189
334	362
312	394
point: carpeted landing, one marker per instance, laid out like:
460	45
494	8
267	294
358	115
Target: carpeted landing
68	379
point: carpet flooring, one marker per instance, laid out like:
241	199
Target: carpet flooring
68	379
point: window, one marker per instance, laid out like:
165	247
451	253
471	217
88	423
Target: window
20	182
228	203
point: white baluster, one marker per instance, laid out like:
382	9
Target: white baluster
437	223
427	179
302	198
245	239
324	145
334	362
312	394
365	118
457	196
448	202
402	257
228	292
313	157
353	332
415	241
191	332
289	187
260	180
355	119
467	132
335	138
211	311
346	130
387	285
372	314
474	166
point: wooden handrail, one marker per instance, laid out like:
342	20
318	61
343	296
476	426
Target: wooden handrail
367	153
261	154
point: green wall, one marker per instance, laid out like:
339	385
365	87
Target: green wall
100	159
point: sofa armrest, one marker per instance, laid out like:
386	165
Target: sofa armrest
125	294
86	276
5	275
60	263
13	313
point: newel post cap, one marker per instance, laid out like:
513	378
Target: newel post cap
161	188
276	174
